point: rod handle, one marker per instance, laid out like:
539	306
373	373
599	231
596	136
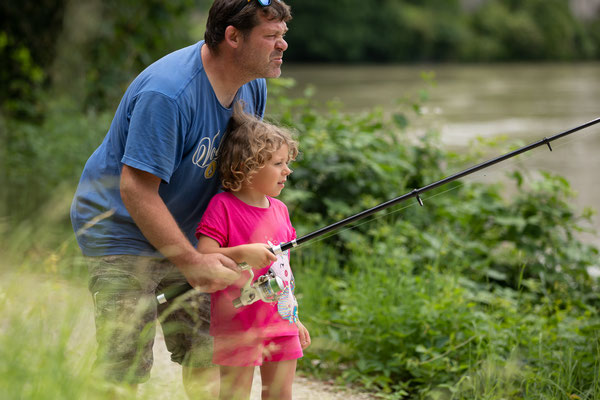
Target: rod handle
172	292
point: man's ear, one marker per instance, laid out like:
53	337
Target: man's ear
233	36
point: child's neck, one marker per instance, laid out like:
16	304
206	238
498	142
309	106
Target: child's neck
252	198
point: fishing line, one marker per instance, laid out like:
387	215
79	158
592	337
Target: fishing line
334	228
366	221
416	193
460	184
377	217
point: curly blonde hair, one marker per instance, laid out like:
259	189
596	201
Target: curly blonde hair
248	145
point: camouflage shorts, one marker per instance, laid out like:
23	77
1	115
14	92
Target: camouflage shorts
124	289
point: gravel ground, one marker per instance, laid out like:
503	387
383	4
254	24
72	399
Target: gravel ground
166	378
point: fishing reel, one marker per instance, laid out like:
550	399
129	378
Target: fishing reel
266	288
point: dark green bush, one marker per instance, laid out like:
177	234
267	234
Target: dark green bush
409	31
470	296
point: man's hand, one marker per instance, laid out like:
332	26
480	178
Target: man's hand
211	272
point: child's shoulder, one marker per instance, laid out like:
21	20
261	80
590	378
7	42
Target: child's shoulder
222	195
222	198
276	203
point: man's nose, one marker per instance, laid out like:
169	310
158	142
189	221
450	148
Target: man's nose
281	45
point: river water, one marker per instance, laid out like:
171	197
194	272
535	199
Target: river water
520	103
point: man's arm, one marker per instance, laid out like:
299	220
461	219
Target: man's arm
206	272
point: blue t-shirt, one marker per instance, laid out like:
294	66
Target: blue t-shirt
170	124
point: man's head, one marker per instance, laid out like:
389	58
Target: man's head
244	15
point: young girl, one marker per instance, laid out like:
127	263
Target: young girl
243	222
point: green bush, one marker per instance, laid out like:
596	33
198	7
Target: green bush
350	163
471	296
395	327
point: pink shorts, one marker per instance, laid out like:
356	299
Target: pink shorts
237	351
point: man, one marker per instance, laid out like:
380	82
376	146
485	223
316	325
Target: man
145	188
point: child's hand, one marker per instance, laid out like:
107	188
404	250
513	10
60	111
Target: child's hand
303	334
258	255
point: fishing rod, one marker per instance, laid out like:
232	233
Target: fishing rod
416	193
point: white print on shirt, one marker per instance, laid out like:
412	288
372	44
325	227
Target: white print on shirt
281	267
287	306
205	154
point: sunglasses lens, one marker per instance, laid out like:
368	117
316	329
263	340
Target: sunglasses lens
263	3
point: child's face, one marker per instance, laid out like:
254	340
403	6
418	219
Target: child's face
270	179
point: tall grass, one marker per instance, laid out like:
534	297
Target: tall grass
46	347
47	333
437	335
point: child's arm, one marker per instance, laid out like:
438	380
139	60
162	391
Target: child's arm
257	255
303	334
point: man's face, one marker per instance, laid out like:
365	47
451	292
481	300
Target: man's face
261	52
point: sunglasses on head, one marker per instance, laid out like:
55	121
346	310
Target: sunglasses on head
262	3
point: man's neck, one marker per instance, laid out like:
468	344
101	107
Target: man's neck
222	75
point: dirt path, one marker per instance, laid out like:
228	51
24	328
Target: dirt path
166	378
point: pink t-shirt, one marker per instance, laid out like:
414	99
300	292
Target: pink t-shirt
231	222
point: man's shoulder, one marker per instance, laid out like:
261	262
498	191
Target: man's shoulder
172	74
257	87
188	56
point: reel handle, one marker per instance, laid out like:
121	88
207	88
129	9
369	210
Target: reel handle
265	288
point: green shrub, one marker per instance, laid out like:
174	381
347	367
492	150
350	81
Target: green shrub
467	297
392	326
